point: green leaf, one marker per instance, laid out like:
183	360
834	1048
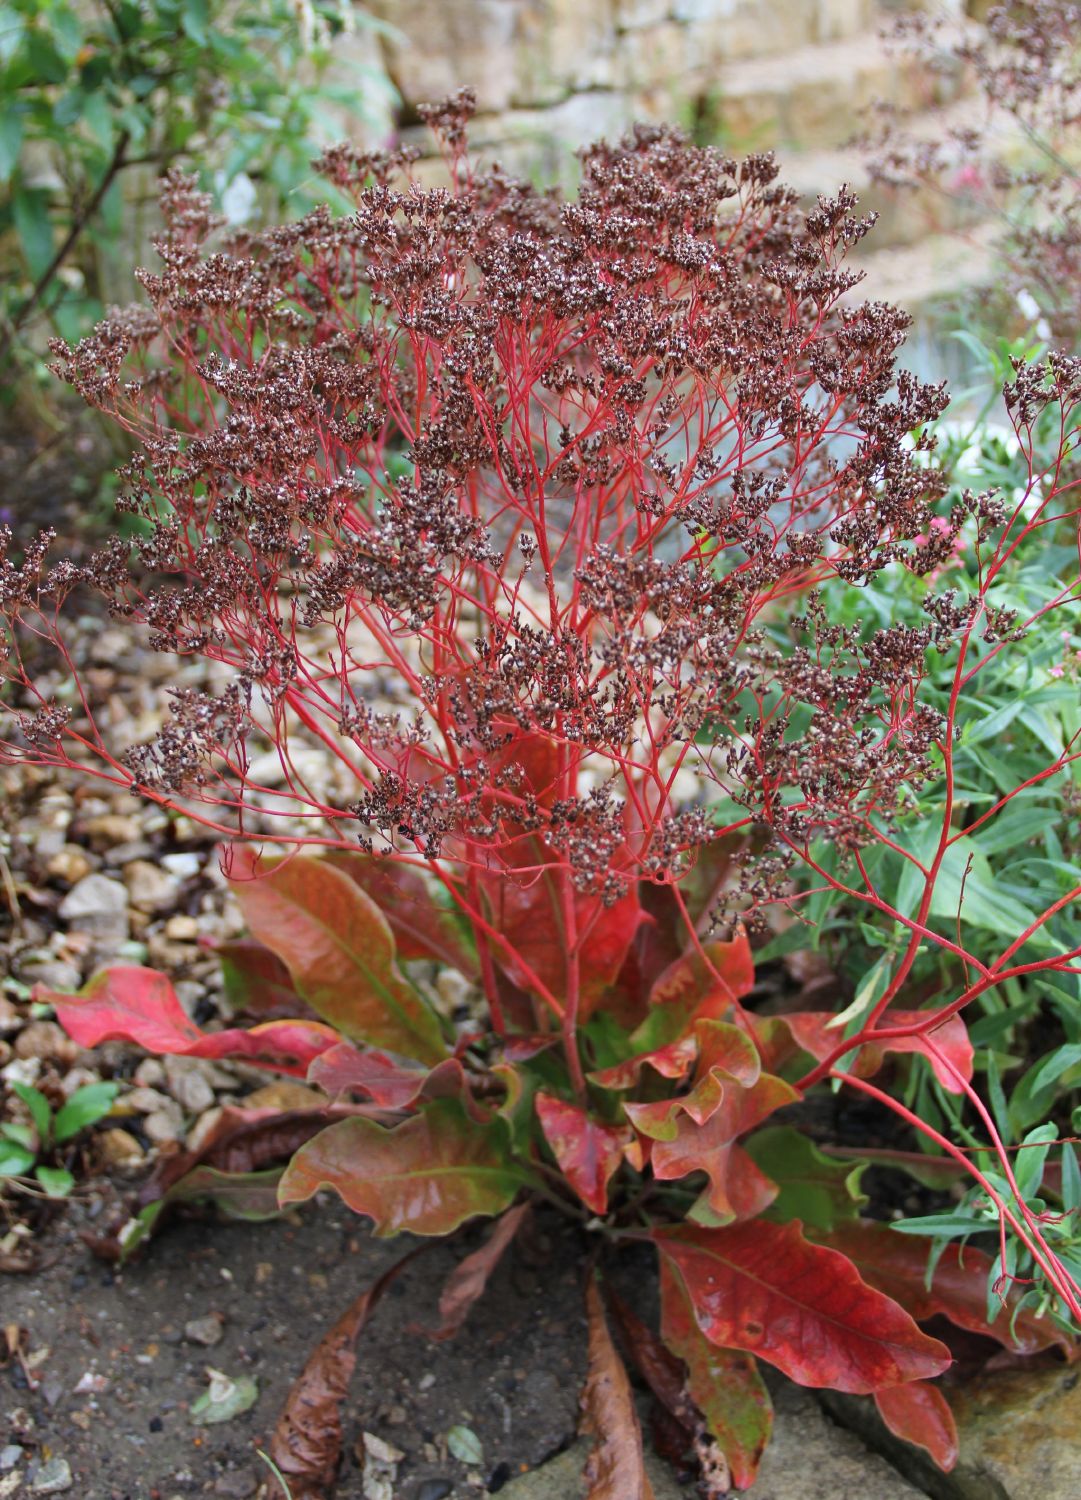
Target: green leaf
1071	1179
15	1161
1032	1157
196	21
227	1397
251	1196
56	1182
85	1107
38	1105
943	1226
817	1189
45	60
465	1445
425	1176
11	140
22	1135
30	210
339	949
1051	1069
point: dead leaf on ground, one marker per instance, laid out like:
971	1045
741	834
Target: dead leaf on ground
307	1441
616	1468
469	1278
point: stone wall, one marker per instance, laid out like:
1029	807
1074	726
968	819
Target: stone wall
551	75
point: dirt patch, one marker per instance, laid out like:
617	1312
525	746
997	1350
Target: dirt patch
511	1377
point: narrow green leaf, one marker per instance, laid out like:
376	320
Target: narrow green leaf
85	1107
38	1105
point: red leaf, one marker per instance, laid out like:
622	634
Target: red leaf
764	1288
700	985
467	1281
616	1469
919	1413
737	1188
897	1265
723	1383
527	912
422	927
426	1176
307	1442
588	1153
339	950
673	1061
133	1004
683	1426
256	980
809	1028
389	1081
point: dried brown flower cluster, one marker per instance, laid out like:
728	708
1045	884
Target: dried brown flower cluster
552	466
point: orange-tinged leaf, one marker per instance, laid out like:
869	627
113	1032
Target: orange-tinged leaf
422	927
339	949
673	1061
764	1288
951	1059
616	1469
723	1383
307	1441
897	1265
919	1413
588	1152
425	1176
737	1188
134	1004
393	1082
466	1283
706	983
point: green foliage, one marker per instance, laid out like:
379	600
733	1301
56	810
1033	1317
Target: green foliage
90	92
32	1150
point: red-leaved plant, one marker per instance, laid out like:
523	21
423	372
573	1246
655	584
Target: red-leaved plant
498	500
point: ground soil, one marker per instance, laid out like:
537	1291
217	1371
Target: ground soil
512	1376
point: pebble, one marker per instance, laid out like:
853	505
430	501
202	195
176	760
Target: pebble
53	973
150	888
10	1456
182	929
119	1149
207	1331
111	828
45	1039
146	1100
97	905
183	866
165	1124
53	1478
69	863
149	1074
188	1085
434	1489
238	1484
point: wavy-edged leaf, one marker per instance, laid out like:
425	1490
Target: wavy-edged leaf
700	985
616	1468
391	1082
339	950
919	1413
673	1061
423	929
307	1442
814	1188
135	1004
897	1266
251	1196
588	1152
425	1176
724	1384
764	1288
737	1188
947	1048
466	1283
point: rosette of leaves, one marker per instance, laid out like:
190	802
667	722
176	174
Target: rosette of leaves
763	1250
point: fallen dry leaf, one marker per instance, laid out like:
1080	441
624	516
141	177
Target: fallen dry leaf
469	1278
616	1469
307	1441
